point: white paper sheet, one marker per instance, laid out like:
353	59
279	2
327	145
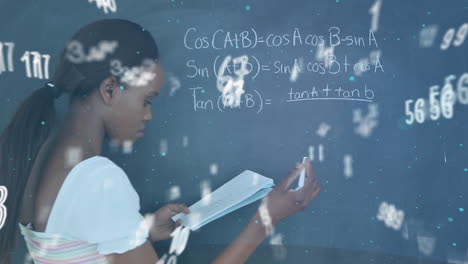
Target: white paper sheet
241	190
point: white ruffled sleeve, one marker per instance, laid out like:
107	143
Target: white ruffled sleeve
109	212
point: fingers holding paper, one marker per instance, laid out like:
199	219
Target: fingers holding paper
178	208
163	225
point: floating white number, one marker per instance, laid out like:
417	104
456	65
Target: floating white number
179	239
3	209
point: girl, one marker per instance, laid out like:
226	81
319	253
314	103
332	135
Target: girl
73	205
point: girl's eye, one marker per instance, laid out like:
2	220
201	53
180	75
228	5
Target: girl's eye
148	102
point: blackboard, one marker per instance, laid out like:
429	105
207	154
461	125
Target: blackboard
388	147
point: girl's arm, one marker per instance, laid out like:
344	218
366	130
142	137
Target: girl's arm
280	203
245	244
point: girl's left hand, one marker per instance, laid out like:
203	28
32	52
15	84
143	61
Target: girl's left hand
163	225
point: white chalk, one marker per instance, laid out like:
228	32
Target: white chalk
300	184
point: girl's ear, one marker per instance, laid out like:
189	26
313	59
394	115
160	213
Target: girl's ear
106	89
109	89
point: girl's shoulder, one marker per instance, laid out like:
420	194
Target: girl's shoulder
100	205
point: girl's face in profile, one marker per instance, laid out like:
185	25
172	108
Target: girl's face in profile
131	107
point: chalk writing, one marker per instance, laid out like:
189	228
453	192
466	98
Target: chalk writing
364	95
253	66
222	39
250	102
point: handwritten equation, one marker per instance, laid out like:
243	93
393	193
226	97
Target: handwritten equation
331	65
249	39
255	101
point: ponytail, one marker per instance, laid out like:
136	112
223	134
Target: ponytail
20	143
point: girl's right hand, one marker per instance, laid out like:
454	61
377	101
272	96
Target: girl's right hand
282	201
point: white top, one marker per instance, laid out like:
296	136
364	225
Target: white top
97	204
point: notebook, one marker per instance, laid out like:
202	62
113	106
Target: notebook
240	191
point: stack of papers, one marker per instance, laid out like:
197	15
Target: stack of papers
240	191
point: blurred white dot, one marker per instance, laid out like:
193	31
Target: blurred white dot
114	145
404	231
279	250
173	193
175	84
192	219
348	167
44	213
374	56
323	129
391	216
108	183
127	146
427	36
205	189
426	244
185	141
73	156
255	179
142	230
28	259
214	169
298	67
163	147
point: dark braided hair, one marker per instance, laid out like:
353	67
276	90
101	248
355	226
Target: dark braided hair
77	75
